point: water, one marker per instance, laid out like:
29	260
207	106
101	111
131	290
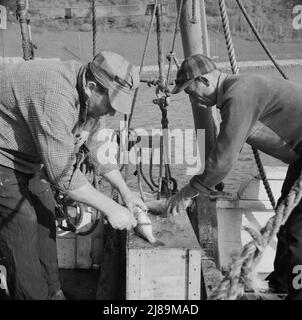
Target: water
147	115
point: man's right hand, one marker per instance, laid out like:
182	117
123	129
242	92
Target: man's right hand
121	219
118	216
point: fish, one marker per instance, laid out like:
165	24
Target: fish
144	227
158	207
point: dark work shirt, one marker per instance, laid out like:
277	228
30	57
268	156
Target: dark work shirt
264	112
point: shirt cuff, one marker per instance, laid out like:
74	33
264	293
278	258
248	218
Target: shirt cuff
104	169
200	187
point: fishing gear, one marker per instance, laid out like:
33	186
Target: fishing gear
72	212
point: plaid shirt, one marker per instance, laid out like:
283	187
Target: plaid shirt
39	114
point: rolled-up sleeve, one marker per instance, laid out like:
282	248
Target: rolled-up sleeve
239	114
53	116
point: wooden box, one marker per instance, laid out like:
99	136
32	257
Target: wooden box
232	217
83	252
172	271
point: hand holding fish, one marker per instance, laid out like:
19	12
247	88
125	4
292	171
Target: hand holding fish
132	200
121	218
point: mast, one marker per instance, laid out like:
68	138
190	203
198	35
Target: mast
195	40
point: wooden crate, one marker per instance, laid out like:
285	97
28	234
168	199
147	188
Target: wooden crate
172	271
81	252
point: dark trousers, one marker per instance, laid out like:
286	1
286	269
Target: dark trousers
289	248
28	253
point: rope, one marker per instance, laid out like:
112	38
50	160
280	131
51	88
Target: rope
193	18
126	119
242	268
171	55
162	85
151	164
22	16
138	154
228	37
235	70
142	60
257	35
263	177
160	53
94	28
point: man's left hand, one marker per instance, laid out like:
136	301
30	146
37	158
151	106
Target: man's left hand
132	200
181	200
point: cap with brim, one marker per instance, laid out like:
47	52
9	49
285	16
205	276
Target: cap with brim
191	68
119	76
120	100
181	86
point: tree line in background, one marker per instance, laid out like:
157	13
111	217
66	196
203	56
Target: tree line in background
272	18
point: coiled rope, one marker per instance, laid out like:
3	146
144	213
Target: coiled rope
241	273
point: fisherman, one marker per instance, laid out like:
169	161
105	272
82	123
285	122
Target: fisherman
47	110
264	112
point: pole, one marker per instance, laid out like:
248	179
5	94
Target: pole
2	51
192	41
204	28
204	215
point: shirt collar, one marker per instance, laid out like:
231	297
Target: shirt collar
82	96
221	78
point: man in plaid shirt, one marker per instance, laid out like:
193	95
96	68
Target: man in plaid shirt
47	109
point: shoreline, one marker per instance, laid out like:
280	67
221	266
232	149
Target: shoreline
258	64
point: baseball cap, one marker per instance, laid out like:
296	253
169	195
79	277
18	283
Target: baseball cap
190	69
119	76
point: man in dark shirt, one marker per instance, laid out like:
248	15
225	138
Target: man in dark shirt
47	111
264	112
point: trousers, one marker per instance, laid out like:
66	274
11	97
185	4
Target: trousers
285	276
28	253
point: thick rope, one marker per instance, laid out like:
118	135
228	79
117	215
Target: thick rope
264	177
228	37
94	28
235	70
193	18
22	16
242	268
